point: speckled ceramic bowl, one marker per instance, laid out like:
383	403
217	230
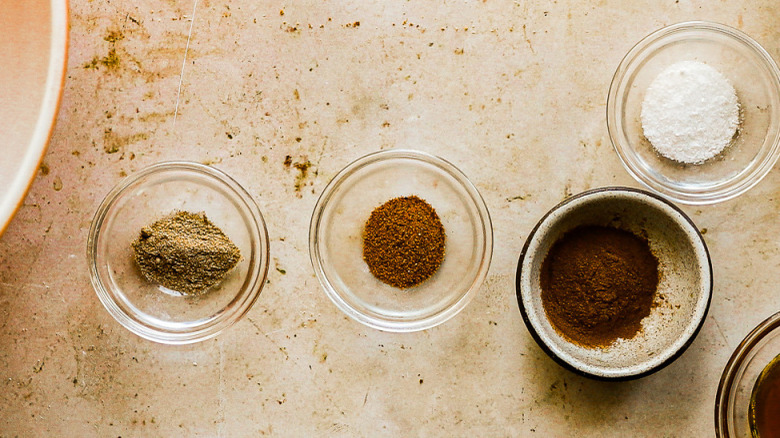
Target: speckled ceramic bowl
685	282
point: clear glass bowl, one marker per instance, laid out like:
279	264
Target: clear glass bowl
756	79
336	242
147	309
753	354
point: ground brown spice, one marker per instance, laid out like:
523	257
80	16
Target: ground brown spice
597	285
403	242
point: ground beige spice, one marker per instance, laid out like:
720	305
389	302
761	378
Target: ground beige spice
185	252
403	242
597	285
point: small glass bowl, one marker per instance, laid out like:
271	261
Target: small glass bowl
148	309
753	354
336	240
756	79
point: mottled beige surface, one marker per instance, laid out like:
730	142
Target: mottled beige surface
512	92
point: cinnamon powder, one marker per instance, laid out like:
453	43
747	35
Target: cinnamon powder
597	284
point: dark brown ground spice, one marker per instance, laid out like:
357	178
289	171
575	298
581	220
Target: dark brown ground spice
597	285
403	242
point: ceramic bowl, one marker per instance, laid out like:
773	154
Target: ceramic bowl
739	377
148	309
685	282
756	79
33	55
336	240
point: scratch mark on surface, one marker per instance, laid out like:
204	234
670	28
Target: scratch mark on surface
338	429
59	292
276	331
260	330
184	63
254	323
527	40
24	285
276	344
725	341
221	389
319	156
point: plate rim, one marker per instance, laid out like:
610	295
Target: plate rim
47	117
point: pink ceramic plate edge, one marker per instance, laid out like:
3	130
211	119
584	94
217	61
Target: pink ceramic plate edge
37	143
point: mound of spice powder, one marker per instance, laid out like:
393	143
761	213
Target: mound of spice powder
403	242
185	252
597	284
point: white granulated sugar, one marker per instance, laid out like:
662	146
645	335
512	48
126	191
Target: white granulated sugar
690	112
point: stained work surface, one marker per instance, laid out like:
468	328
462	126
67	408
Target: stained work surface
283	95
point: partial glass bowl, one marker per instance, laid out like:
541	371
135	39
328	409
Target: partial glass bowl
751	356
756	79
148	309
336	240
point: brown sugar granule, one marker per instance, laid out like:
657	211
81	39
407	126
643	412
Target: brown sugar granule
597	284
403	242
185	252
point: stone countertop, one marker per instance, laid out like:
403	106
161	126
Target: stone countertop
511	92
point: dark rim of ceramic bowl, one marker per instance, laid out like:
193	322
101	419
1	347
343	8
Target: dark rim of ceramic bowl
538	338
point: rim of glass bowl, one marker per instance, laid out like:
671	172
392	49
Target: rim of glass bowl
732	373
240	305
724	191
316	258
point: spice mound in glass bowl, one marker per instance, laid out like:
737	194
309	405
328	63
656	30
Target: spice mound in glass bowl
338	230
144	305
185	253
711	172
668	324
403	242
